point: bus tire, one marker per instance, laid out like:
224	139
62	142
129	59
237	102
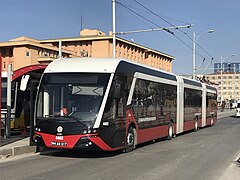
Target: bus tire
196	128
212	122
131	139
170	131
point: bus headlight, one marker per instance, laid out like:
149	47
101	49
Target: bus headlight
90	131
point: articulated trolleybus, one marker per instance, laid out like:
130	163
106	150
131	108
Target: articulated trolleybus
111	104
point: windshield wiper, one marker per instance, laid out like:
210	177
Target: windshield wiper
76	119
57	118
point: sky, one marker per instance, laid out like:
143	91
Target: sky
47	19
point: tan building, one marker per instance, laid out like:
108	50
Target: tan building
25	51
228	85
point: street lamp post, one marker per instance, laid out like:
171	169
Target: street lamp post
195	38
222	60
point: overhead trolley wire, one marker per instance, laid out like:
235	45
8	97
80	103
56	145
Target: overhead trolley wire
212	58
167	30
148	10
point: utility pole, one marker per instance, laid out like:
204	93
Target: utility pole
222	69
8	120
114	27
60	49
194	56
195	38
114	33
0	97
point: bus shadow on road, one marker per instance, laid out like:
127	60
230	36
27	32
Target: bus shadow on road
79	153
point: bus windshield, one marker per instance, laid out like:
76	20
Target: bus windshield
71	96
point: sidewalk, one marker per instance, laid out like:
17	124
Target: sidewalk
15	148
225	113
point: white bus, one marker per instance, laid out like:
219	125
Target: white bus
237	114
110	104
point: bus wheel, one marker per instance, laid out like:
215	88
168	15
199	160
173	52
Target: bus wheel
212	122
131	144
170	131
196	125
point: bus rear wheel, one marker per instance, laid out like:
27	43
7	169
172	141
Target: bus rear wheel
170	131
212	122
196	128
131	138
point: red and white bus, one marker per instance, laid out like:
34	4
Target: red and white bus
110	104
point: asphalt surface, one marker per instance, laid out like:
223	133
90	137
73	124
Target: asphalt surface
205	154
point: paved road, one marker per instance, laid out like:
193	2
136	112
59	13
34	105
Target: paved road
198	155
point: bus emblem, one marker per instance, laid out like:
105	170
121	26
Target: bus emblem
60	129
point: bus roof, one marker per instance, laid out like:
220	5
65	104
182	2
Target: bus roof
97	65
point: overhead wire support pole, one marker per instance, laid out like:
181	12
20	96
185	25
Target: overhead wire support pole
155	29
114	27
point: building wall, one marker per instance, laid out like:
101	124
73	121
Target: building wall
21	58
24	51
103	48
229	85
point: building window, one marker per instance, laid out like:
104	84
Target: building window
27	54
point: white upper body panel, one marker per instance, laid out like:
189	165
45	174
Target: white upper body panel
91	65
99	65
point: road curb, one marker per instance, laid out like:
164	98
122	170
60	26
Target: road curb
18	150
225	114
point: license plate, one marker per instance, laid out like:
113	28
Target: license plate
58	143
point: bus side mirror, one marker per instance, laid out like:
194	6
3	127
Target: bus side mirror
24	81
117	90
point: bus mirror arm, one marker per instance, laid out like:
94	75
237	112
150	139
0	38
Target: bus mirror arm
117	90
24	81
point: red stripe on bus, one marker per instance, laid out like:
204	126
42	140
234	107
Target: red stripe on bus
70	140
149	134
100	143
188	125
